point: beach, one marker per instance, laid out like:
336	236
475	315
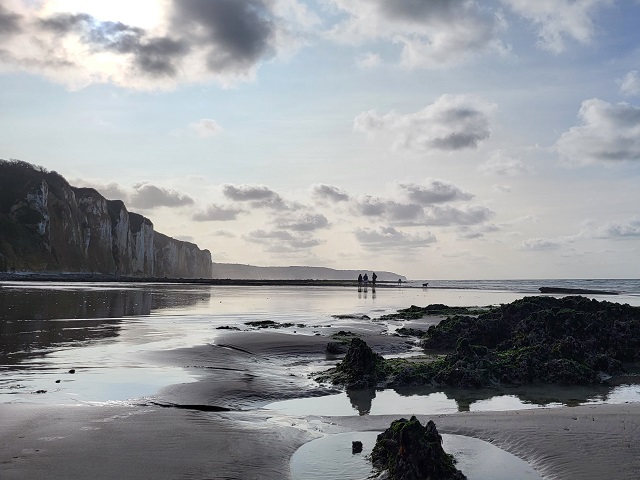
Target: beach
215	425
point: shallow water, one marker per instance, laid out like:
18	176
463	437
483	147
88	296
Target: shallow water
331	457
106	331
430	401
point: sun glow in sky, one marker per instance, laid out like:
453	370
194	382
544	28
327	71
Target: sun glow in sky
458	139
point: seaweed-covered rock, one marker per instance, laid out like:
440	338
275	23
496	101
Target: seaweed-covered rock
360	368
571	340
407	450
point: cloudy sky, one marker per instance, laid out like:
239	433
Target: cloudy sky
433	138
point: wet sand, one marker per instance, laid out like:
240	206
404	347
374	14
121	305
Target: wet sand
214	428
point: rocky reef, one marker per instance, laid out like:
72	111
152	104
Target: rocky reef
408	450
570	340
48	225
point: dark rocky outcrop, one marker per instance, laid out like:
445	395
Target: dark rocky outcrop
48	225
575	291
407	450
360	368
570	340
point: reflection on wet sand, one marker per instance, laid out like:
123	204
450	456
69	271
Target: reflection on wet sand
35	320
431	400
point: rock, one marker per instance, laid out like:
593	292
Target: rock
407	450
336	348
356	446
73	370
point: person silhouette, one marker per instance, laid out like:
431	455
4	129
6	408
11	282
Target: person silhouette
365	279
373	278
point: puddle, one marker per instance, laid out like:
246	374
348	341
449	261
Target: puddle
414	402
330	457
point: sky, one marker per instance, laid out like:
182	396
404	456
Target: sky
441	139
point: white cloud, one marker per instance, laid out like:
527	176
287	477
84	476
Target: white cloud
432	34
541	244
369	60
630	84
205	127
629	229
608	133
501	163
452	122
559	20
280	241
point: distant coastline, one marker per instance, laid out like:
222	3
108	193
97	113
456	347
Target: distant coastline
103	278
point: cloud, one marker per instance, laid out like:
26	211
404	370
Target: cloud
369	60
388	238
619	230
452	122
216	212
10	22
446	215
630	84
304	223
607	133
432	34
369	206
223	233
500	163
258	196
279	241
205	127
478	231
191	41
110	191
541	244
559	20
149	196
329	192
434	191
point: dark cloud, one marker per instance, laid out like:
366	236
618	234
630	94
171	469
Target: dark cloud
155	56
329	192
394	211
216	212
237	34
305	223
388	238
259	196
10	23
436	191
150	196
608	133
446	215
419	10
198	40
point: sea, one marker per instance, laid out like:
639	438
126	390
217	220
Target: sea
109	333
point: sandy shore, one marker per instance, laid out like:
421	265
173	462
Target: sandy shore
214	428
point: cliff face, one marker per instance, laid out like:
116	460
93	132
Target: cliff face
48	225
